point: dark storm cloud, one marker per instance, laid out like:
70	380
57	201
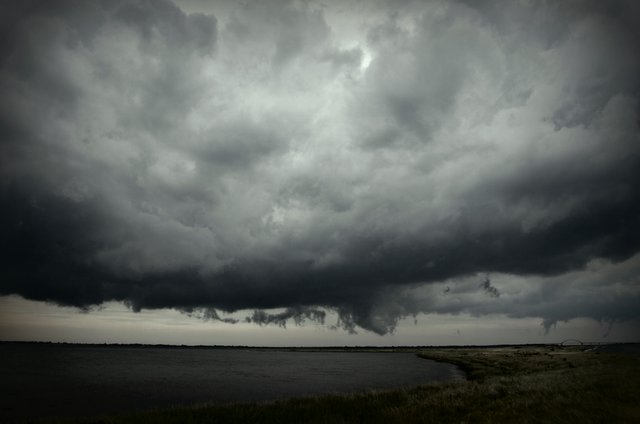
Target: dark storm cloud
604	291
278	158
299	316
489	289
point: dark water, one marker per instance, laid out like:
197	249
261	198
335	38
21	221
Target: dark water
50	380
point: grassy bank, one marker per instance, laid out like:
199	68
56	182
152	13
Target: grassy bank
506	385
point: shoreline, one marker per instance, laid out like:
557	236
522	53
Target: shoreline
504	384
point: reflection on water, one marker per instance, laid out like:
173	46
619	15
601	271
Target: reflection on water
48	380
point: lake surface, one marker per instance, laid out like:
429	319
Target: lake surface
57	380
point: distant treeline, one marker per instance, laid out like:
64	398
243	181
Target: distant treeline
296	348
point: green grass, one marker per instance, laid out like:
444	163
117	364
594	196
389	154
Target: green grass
506	385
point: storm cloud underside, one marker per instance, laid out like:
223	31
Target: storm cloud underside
378	161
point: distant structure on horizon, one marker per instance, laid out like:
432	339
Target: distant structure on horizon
571	342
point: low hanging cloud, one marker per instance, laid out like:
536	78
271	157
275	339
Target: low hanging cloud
489	289
280	155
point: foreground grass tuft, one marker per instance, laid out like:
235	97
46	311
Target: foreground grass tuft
506	385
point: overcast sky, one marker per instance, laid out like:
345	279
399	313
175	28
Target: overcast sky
357	172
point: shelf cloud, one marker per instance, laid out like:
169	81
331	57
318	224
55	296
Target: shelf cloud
376	161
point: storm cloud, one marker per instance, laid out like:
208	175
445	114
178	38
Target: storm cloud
377	161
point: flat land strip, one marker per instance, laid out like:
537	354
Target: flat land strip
520	384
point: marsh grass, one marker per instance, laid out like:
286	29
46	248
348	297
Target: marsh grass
506	385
